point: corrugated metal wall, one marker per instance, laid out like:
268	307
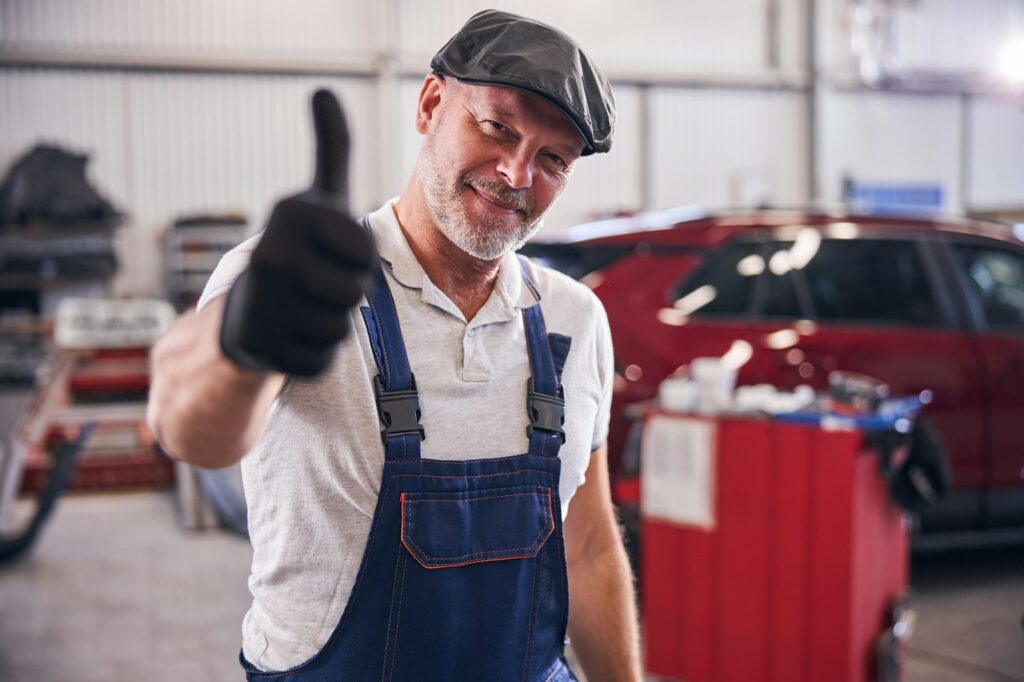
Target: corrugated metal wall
889	138
164	145
318	28
955	35
652	36
996	170
727	148
196	105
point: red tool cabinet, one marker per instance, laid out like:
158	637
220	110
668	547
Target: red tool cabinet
793	577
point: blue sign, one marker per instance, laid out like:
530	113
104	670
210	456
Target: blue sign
886	199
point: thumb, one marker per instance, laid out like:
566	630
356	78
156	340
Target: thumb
332	146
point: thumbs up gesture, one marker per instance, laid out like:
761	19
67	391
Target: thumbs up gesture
290	308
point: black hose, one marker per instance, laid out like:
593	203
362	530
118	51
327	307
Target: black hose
12	547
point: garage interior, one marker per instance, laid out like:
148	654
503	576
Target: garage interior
818	148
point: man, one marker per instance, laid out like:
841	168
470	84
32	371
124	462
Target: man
398	531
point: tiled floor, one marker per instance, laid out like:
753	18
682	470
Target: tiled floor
970	617
117	592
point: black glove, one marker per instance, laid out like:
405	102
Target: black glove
290	308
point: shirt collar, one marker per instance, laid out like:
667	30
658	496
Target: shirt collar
510	292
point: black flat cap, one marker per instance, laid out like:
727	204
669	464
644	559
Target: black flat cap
500	48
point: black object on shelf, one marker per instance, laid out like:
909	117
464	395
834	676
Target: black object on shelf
48	185
56	232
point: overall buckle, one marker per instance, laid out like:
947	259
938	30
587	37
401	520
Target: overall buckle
546	412
398	411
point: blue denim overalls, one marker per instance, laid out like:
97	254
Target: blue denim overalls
463	576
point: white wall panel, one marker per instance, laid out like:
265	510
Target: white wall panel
656	36
888	138
300	27
955	35
706	144
164	145
996	165
601	183
84	115
792	37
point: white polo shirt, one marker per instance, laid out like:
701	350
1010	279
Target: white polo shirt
312	480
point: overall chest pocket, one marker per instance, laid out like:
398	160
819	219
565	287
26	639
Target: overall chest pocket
451	529
479	588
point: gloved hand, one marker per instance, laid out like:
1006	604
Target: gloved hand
290	308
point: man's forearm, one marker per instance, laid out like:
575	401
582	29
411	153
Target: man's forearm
202	408
602	616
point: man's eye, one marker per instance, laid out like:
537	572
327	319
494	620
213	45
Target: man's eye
497	126
557	159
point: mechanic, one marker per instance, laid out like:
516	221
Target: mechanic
413	432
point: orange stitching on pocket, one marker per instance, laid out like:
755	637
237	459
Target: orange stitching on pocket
507	473
415	550
473	499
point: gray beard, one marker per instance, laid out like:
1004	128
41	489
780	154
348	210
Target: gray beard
487	240
483	240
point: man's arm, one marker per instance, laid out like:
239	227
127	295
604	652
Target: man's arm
203	408
602	609
215	374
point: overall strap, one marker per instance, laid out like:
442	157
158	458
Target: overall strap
545	399
394	386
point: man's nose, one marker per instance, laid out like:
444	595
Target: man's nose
516	167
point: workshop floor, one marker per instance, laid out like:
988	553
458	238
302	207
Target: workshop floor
117	592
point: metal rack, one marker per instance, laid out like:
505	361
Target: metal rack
47	262
193	247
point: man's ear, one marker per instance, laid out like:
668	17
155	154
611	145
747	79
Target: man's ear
431	94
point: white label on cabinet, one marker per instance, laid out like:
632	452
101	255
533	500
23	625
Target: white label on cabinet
677	468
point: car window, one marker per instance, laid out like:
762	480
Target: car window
872	281
723	284
997	277
863	281
778	297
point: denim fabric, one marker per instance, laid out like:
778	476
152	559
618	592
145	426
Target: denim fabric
463	577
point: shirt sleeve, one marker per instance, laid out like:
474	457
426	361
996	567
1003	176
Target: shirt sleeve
227	271
606	374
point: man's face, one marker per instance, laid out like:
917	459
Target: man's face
492	164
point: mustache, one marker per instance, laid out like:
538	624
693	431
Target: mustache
513	197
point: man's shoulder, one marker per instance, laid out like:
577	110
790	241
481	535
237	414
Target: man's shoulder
560	291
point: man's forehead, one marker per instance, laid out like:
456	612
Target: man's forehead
519	106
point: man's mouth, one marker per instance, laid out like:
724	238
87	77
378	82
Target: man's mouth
491	199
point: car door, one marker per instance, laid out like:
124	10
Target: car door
993	275
874	304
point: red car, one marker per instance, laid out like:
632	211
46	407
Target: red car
933	305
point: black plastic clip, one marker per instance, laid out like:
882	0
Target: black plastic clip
546	412
398	411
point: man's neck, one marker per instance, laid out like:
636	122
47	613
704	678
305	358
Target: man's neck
466	280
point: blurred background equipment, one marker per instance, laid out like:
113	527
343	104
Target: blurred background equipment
772	539
56	232
14	546
193	247
928	307
48	185
798	188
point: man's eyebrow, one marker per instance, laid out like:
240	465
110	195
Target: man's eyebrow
500	112
571	151
567	149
